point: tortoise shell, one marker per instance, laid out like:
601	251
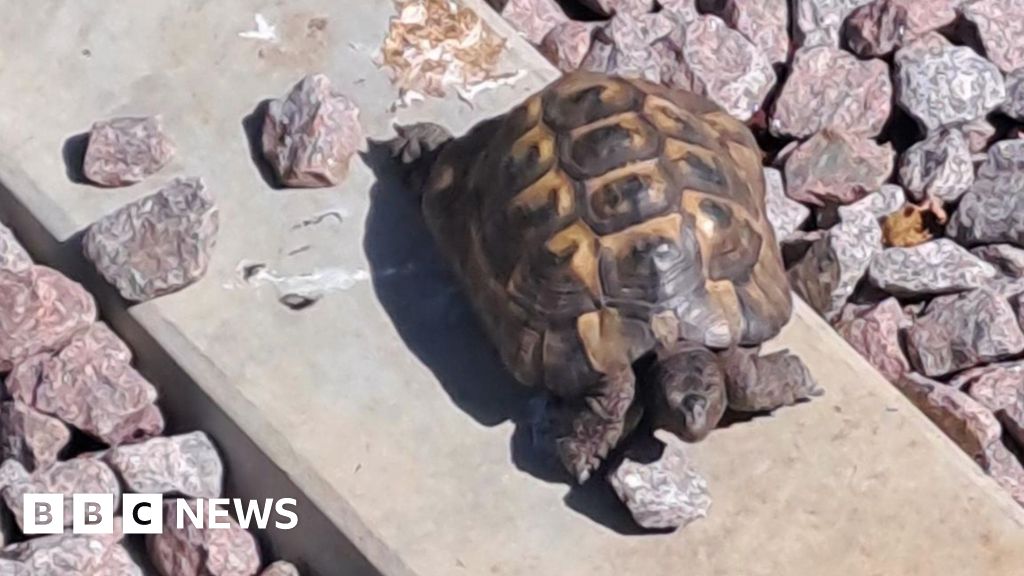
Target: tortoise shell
603	217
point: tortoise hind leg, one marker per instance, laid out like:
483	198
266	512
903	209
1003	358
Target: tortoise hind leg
595	424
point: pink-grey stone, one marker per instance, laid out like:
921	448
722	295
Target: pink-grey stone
887	200
533	18
31	437
13	257
939	166
785	215
77	476
41	311
1006	258
820	22
280	568
963	330
158	244
187	464
967	423
992	211
835	263
665	493
568	43
830	88
310	136
1000	25
763	22
191	551
1000	388
90	385
882	26
721	64
124	151
944	85
978	133
70	555
835	167
1014	105
875	333
625	46
937	267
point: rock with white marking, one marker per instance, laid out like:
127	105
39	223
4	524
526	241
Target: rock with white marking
827	274
568	43
940	84
887	200
963	330
939	166
992	211
1000	25
665	493
187	464
820	22
785	215
721	64
882	26
937	267
1008	259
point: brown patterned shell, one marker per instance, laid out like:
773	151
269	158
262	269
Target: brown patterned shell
603	216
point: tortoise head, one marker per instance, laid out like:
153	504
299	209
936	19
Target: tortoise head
688	393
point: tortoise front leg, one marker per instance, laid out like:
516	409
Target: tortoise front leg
595	424
763	383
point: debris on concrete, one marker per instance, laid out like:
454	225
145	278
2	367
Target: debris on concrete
432	45
158	244
125	151
188	551
264	30
665	493
310	136
301	290
187	464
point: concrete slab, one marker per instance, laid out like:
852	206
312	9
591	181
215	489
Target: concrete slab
382	403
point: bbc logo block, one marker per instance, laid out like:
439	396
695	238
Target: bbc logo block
145	513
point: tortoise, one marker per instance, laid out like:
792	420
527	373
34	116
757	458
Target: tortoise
605	222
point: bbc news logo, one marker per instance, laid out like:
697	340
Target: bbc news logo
144	513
